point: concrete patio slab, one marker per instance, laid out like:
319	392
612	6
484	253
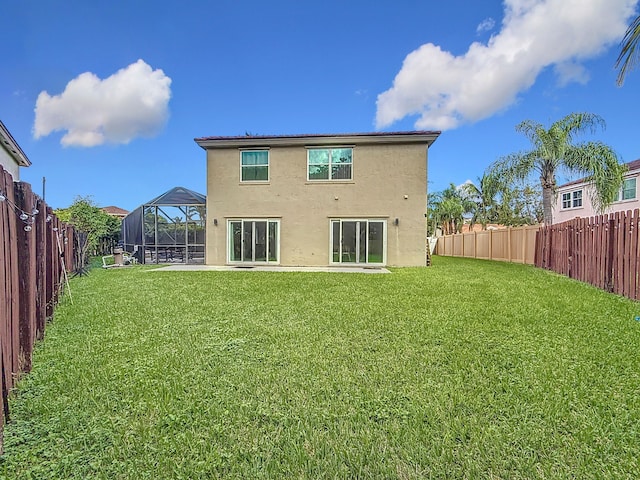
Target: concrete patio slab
260	268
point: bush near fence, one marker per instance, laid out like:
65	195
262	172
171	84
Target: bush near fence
32	264
603	251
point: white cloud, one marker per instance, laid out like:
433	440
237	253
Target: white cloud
447	91
571	72
131	103
486	25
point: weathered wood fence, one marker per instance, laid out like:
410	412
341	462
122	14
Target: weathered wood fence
517	244
36	250
603	251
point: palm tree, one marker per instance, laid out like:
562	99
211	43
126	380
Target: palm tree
483	196
554	150
447	209
629	55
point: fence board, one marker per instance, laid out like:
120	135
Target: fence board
603	251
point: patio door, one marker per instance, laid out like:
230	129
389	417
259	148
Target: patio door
253	241
358	241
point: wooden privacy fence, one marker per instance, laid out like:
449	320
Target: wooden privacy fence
36	251
603	251
513	244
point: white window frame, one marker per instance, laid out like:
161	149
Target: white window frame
635	190
575	198
331	164
242	220
383	221
569	199
268	165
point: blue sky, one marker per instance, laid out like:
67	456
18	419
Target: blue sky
105	98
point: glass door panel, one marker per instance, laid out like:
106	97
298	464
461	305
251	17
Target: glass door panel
273	242
362	242
349	242
376	242
235	242
247	242
260	242
335	240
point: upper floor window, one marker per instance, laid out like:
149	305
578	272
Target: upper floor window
254	165
572	199
329	163
628	191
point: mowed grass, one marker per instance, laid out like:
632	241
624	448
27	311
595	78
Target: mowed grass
468	369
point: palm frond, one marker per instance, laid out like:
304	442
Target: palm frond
575	124
629	54
515	167
600	166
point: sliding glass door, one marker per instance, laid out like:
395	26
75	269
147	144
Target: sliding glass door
253	241
358	241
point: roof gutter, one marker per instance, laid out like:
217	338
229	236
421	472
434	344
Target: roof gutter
11	146
427	137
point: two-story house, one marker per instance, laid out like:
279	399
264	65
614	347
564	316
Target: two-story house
574	198
11	155
317	200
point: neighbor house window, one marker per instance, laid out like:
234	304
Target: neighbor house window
576	198
572	199
254	165
628	191
329	163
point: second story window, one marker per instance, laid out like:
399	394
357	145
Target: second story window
572	199
576	199
254	165
628	191
329	163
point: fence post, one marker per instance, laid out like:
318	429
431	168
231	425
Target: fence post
27	274
41	267
491	244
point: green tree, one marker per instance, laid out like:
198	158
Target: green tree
446	210
99	227
554	149
629	53
519	204
484	198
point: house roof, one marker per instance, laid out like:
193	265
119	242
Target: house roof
179	196
115	211
9	144
631	167
420	136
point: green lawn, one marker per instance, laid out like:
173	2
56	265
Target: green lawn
467	369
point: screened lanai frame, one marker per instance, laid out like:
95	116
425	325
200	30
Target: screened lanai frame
168	229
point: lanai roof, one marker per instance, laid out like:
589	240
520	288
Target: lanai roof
179	196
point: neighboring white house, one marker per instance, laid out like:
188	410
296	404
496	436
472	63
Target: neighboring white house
574	198
11	155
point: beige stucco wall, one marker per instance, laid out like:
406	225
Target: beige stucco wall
382	176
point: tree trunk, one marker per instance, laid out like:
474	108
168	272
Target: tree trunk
547	203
